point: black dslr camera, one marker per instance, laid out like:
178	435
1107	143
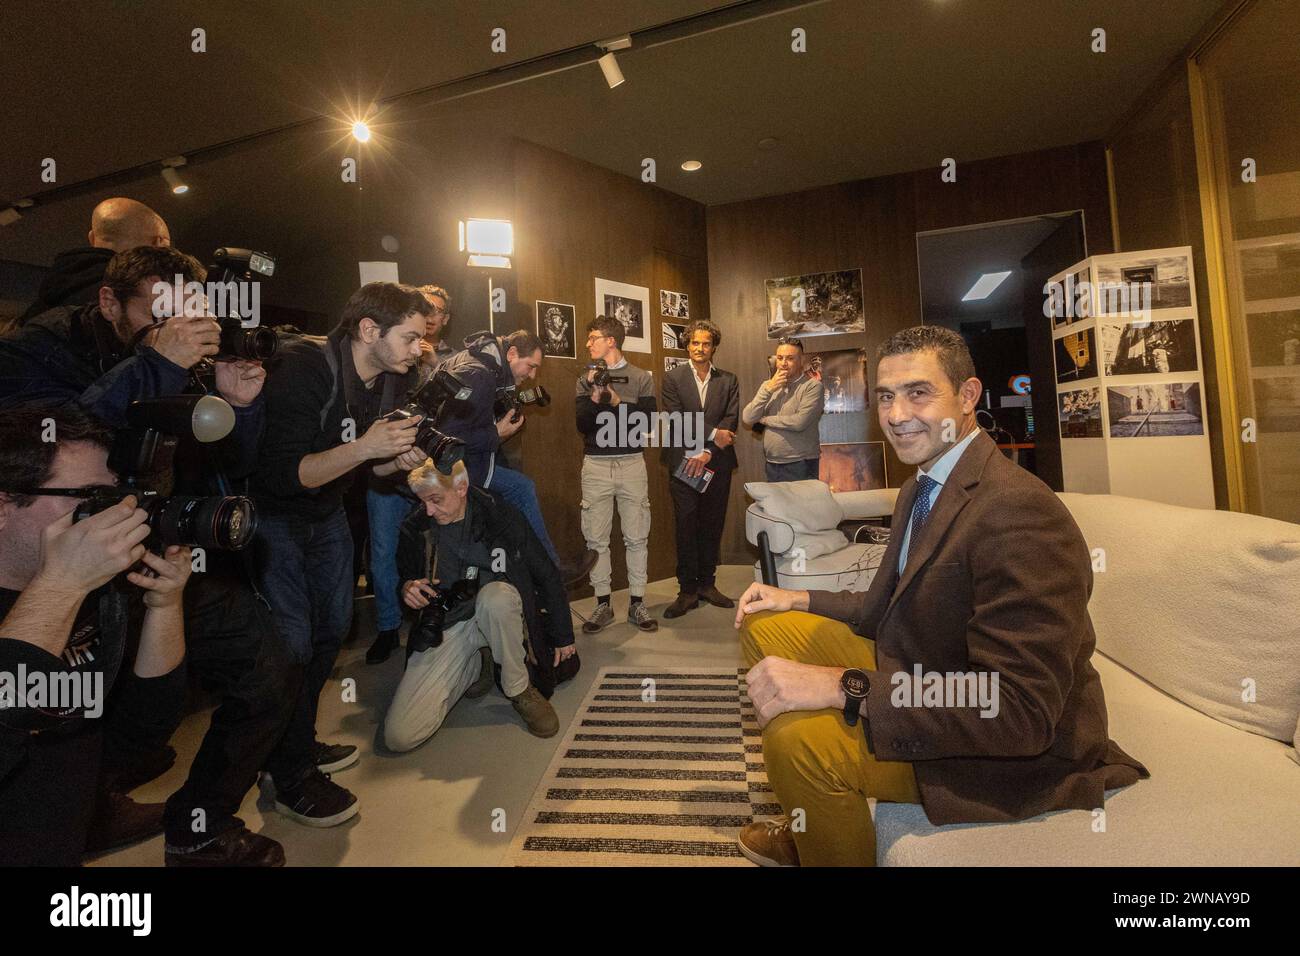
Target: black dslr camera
602	378
428	627
142	452
510	399
426	402
233	269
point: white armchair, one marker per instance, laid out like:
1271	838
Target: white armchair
795	526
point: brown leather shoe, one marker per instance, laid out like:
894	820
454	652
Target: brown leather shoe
237	847
685	602
769	843
715	597
119	821
538	714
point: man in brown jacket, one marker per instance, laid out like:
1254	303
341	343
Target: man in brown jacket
967	662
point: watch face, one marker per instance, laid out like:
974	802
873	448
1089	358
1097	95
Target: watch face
854	683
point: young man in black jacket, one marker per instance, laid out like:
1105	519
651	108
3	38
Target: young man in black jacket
83	356
324	403
699	389
62	623
515	611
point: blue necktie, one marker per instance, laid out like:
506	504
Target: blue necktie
920	510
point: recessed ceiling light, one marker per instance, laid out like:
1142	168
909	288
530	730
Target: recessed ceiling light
691	165
984	286
361	132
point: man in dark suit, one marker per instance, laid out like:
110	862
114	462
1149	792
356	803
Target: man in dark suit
689	389
967	663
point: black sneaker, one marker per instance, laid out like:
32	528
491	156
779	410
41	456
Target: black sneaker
331	758
385	644
317	801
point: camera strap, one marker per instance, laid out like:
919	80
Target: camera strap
113	619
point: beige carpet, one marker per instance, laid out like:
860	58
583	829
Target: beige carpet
658	768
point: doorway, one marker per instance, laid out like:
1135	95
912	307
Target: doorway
985	282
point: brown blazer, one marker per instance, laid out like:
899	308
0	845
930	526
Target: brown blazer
998	580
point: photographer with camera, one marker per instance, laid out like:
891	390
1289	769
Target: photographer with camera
112	358
388	500
494	368
474	568
324	402
614	471
62	621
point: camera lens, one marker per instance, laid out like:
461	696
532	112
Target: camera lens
221	523
257	343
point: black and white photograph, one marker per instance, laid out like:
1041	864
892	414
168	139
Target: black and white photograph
1076	356
674	335
853	466
1080	413
1274	338
630	304
1146	411
672	361
1141	348
555	327
1082	306
843	373
674	304
822	303
1127	285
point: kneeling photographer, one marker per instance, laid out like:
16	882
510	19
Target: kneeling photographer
80	652
115	359
486	589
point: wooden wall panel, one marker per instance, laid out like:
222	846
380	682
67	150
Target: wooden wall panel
871	224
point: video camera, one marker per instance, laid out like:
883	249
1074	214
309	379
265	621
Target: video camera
232	267
602	378
428	627
426	403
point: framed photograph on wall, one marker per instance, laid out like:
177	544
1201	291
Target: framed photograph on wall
1140	348
1076	357
821	303
630	304
1080	412
1144	411
556	329
843	373
855	466
675	305
672	361
674	335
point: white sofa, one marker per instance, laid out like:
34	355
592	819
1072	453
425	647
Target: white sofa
1192	604
800	520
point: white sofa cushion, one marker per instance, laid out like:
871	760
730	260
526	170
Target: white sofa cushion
816	544
1217	796
808	506
1199	602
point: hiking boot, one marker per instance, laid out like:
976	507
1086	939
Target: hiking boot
236	847
715	597
601	618
331	758
385	644
537	712
486	675
317	801
640	615
685	602
769	843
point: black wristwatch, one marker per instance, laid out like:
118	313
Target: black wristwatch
855	684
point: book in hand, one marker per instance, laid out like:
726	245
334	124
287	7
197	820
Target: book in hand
699	483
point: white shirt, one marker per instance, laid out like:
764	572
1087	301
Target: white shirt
939	474
703	389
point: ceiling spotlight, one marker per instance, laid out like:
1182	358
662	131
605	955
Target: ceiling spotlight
608	62
984	286
691	165
361	132
173	178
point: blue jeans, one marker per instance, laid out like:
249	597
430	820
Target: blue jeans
518	489
307	576
793	470
386	514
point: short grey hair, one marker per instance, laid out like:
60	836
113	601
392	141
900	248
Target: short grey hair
427	476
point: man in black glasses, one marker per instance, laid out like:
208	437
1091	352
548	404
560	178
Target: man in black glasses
69	688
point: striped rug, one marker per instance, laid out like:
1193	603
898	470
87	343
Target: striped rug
661	774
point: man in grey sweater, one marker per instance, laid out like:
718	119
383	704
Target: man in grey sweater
787	409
